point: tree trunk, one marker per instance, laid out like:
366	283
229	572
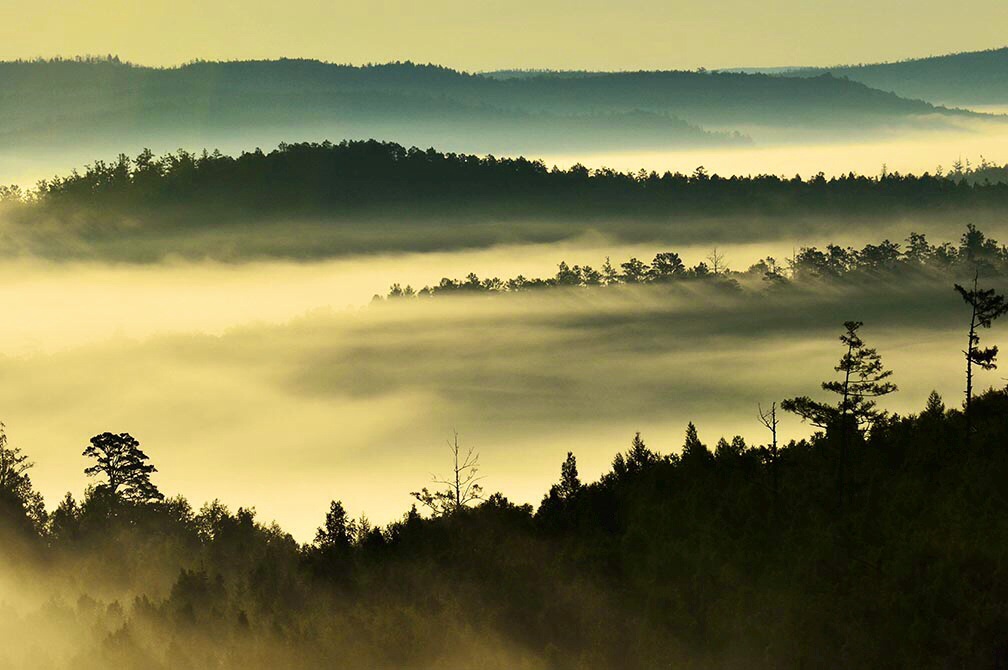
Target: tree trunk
844	429
458	486
969	365
773	432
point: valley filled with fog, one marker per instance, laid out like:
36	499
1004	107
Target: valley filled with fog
222	339
341	363
220	367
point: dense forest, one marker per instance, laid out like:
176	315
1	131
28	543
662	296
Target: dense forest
323	200
358	177
877	542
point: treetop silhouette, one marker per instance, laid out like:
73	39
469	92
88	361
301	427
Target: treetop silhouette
986	306
863	379
124	465
462	486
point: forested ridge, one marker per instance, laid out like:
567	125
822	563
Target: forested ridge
877	542
220	88
384	178
971	77
916	258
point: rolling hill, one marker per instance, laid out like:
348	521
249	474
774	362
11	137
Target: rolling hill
961	79
63	103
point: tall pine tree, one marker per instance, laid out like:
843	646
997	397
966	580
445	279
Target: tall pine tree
985	307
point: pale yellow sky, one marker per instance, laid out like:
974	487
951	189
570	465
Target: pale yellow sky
474	35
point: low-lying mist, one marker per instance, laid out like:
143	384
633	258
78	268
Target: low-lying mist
788	153
262	375
785	152
56	615
259	385
524	245
316	201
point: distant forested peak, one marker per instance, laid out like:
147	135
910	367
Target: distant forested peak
966	77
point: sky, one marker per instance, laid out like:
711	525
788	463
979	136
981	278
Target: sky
568	34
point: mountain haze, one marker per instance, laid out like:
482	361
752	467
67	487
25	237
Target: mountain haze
968	78
67	103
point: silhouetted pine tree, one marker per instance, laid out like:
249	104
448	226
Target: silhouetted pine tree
986	306
694	451
863	380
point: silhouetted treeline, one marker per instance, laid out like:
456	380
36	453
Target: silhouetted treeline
878	542
382	178
975	252
982	172
735	555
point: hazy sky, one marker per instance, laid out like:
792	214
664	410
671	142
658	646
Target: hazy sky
513	33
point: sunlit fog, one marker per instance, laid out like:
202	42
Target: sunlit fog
203	360
511	335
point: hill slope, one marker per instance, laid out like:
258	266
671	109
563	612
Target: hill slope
970	78
57	103
740	557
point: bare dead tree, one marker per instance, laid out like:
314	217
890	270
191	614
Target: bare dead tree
460	488
771	453
717	260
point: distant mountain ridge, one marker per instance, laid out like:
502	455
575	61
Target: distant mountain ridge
965	78
956	79
70	101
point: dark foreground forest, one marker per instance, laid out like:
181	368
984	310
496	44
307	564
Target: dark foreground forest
878	542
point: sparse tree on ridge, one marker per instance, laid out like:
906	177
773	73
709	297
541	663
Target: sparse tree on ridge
667	265
14	465
462	487
864	380
935	406
694	451
609	273
569	484
124	465
637	459
717	259
635	271
725	450
771	453
15	484
338	531
986	306
565	492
